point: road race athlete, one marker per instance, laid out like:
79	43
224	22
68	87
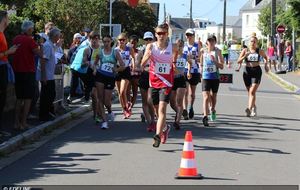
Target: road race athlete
148	110
211	60
127	55
179	86
105	76
89	57
192	48
161	76
135	74
252	72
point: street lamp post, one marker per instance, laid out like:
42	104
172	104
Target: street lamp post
224	23
191	17
110	15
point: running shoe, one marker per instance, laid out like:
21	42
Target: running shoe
253	112
205	121
111	116
191	113
143	119
248	112
176	126
97	119
156	141
151	127
213	116
185	114
104	125
165	134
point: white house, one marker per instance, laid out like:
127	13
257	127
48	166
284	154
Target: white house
233	30
250	14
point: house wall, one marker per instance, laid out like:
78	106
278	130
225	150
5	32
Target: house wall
249	24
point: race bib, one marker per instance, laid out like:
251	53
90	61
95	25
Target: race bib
162	68
126	58
180	63
107	67
209	68
253	57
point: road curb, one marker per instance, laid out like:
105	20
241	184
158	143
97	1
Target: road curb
35	132
287	85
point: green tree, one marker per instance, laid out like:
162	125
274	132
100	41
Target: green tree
264	19
70	16
291	17
134	20
287	13
14	27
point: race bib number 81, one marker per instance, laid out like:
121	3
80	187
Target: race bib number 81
162	68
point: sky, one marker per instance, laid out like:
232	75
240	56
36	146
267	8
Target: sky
211	9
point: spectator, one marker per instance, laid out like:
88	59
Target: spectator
33	111
289	55
45	75
272	55
24	67
76	42
6	73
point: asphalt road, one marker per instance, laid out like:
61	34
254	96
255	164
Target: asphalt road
236	151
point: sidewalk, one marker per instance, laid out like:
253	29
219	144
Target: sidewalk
289	80
37	128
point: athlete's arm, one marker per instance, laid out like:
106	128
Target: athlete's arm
132	53
242	56
147	55
220	63
85	61
119	58
262	53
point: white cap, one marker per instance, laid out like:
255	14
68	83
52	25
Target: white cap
148	35
77	35
190	31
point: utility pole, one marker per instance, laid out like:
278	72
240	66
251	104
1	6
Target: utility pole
224	23
165	14
191	14
273	16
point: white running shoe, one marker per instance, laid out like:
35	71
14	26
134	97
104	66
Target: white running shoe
111	116
104	125
253	112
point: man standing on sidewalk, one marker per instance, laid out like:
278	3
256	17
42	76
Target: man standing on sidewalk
45	74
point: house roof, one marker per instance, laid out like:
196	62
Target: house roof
233	21
181	23
249	6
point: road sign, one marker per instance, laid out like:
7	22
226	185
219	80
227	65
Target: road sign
280	29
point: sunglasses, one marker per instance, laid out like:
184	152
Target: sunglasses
189	35
148	39
161	33
122	40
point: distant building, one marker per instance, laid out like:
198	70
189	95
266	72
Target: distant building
233	30
177	27
250	14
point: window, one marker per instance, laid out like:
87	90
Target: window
247	20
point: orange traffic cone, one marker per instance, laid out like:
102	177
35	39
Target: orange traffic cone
188	168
